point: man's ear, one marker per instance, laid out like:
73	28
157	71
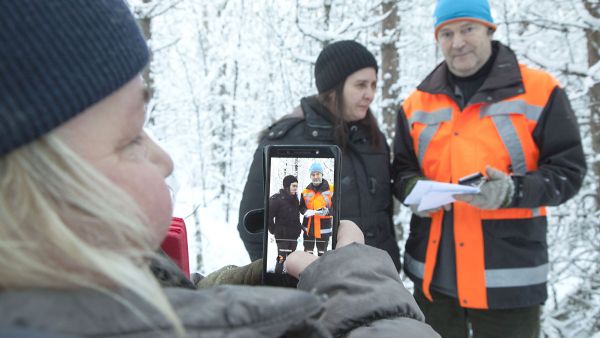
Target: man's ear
491	31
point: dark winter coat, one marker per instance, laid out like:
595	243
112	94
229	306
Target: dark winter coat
365	192
340	302
284	220
511	246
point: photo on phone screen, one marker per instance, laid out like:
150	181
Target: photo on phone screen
301	204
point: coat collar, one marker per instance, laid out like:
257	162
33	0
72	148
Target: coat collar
319	121
504	80
285	195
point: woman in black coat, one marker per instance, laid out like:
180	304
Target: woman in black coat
346	77
284	219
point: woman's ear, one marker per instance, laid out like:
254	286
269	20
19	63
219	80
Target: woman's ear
330	101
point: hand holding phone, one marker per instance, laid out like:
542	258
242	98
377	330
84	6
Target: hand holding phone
348	233
496	191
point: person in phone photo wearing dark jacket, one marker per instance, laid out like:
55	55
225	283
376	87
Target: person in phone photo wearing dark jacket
284	219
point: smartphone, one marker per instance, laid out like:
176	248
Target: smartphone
473	180
301	205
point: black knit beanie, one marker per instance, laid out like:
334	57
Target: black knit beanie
288	180
339	60
59	57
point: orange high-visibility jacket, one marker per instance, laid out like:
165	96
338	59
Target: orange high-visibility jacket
315	200
501	255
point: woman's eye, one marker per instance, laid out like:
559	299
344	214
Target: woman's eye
136	148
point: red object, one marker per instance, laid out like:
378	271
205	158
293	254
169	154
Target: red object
175	245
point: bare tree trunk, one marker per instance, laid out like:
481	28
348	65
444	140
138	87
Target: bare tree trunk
146	26
389	67
219	132
593	46
198	239
231	135
327	9
390	62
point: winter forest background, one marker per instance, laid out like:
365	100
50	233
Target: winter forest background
223	70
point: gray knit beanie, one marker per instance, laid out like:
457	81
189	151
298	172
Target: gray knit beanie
339	60
59	57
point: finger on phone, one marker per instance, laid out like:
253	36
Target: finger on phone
297	261
349	232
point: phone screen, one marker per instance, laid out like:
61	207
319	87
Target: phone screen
301	205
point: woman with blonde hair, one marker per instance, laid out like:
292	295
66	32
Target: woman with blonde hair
84	204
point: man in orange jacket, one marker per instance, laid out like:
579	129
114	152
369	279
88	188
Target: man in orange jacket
316	206
482	261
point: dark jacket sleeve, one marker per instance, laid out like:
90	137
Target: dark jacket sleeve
359	304
253	198
302	204
273	208
562	165
405	165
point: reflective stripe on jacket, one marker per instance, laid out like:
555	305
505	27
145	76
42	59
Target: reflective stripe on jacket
450	144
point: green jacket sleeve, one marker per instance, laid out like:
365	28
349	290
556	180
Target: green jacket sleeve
250	274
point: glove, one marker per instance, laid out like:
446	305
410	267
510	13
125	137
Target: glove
309	213
495	193
323	212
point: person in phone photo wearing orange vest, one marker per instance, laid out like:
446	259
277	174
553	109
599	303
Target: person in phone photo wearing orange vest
480	264
316	206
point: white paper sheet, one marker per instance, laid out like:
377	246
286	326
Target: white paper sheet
431	194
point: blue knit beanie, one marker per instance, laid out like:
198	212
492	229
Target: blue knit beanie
58	58
316	167
448	11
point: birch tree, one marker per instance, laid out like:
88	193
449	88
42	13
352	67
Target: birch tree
390	28
592	34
